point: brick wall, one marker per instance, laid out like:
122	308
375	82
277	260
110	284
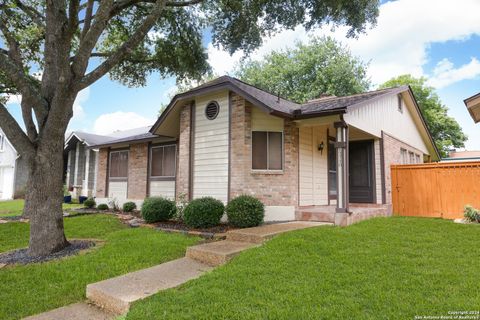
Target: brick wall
137	171
392	155
102	173
183	167
271	189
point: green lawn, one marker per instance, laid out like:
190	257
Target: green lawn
380	269
13	208
27	290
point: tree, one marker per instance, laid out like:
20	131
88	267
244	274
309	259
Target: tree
74	43
307	71
445	130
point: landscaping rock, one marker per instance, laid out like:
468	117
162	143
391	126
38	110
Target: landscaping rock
2	265
136	222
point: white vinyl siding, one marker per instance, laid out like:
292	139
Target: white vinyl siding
117	190
210	168
164	189
262	121
313	166
384	115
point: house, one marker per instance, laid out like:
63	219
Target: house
226	138
80	161
473	106
462	156
13	172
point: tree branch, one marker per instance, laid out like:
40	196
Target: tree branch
88	18
126	48
14	133
32	13
28	119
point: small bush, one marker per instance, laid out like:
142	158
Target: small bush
158	209
245	211
181	205
102	206
89	203
129	206
471	214
203	212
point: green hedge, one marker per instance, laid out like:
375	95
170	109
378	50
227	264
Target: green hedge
245	211
203	212
129	206
156	209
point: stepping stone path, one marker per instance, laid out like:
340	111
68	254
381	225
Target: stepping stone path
113	297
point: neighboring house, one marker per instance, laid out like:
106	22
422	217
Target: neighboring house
473	106
80	161
13	173
463	156
227	138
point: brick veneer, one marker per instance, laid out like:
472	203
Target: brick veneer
272	189
183	167
137	171
102	173
392	155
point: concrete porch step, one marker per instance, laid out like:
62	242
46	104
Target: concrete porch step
76	311
217	253
116	294
312	215
259	235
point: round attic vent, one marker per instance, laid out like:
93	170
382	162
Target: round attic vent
211	110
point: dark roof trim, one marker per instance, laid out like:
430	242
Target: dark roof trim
126	141
300	116
410	92
226	84
471	98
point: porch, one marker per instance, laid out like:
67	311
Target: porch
357	212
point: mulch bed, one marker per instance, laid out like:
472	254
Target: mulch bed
177	225
21	256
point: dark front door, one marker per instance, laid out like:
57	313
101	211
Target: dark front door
361	177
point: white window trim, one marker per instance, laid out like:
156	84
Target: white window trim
267	171
150	161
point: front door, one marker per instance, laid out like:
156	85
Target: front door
361	178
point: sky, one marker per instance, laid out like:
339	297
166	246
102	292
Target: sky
437	39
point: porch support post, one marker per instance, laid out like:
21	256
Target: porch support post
341	146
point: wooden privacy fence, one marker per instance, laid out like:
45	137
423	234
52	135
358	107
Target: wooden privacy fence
438	190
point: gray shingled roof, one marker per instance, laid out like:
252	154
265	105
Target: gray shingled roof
277	104
90	138
137	137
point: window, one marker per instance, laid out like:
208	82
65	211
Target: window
411	157
162	161
119	165
399	101
417	158
403	156
267	150
211	110
2	142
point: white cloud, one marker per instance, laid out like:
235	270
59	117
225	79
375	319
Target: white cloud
445	73
14	99
82	97
399	42
111	122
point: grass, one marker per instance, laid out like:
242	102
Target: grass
12	208
392	268
35	288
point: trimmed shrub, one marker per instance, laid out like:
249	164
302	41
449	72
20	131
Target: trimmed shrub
102	207
156	209
89	203
129	206
245	211
203	213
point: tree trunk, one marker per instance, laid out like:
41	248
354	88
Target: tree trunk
43	200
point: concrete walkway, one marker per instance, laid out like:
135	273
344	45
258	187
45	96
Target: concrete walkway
114	296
